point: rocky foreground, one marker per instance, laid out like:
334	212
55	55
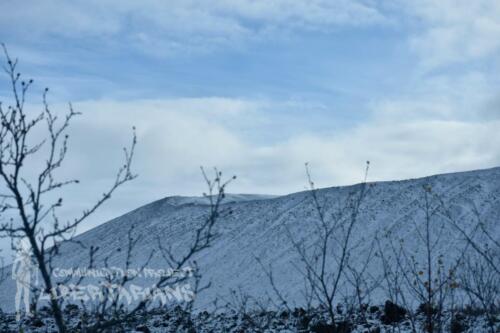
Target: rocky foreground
372	319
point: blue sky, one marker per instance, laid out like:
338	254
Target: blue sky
257	88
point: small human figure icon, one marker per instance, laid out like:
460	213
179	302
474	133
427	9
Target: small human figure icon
24	271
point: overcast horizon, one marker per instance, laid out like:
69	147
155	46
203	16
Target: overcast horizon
257	89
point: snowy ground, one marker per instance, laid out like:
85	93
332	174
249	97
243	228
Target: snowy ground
375	319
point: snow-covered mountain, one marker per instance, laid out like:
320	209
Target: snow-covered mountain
258	227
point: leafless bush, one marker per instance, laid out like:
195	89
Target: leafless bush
482	286
363	281
32	214
117	312
394	279
479	273
324	262
479	237
35	214
420	271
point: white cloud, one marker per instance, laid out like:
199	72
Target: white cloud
466	96
439	127
177	136
442	32
454	31
165	26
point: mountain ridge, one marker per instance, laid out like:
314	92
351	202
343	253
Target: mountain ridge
258	228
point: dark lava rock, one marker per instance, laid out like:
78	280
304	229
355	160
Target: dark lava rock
457	325
323	328
427	309
393	313
143	328
37	322
343	327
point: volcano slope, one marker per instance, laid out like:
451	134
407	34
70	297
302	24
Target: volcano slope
265	228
